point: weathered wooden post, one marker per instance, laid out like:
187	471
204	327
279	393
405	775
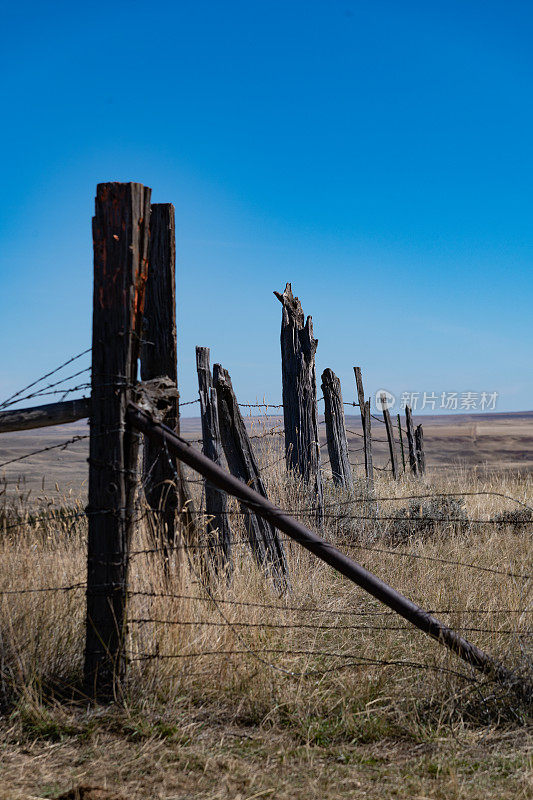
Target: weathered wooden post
411	440
367	441
159	359
366	423
300	413
390	435
120	234
216	504
360	391
265	543
419	450
401	440
336	430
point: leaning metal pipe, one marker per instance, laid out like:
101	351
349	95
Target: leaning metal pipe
421	619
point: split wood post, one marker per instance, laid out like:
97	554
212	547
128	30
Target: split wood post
336	430
265	543
390	436
369	467
300	413
165	490
411	440
120	235
216	502
400	434
365	421
360	391
419	450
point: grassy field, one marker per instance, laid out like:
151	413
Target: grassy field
238	692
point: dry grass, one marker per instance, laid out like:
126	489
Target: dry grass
288	697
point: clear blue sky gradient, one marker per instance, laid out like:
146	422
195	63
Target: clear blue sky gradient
377	154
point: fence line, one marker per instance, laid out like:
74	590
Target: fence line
124	213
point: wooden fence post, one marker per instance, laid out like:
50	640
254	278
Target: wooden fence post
265	543
120	235
419	450
367	441
401	440
366	423
360	391
411	440
159	359
336	430
216	503
390	436
300	413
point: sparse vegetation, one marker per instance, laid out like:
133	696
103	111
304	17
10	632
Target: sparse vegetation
237	691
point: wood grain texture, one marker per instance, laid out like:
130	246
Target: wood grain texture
216	503
390	437
263	537
413	464
419	450
165	490
400	437
367	442
120	236
26	419
360	390
300	413
336	430
366	422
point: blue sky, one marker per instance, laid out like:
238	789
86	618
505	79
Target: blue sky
376	154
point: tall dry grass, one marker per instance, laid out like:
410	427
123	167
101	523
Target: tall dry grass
324	656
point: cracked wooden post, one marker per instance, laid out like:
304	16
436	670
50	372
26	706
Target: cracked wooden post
216	502
419	450
366	423
120	235
400	436
390	435
265	543
336	430
300	413
360	391
411	440
159	359
367	441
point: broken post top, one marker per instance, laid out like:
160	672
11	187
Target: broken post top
221	376
330	380
202	358
293	317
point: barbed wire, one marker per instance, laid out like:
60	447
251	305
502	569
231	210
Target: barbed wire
425	495
355	660
43	391
43	377
63	391
61	445
319	610
347	546
71	587
310	626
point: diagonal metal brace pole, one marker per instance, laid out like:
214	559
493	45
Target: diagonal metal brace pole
421	619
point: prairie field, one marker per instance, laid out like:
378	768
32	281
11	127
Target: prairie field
237	689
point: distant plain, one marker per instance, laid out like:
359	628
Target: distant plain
497	441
